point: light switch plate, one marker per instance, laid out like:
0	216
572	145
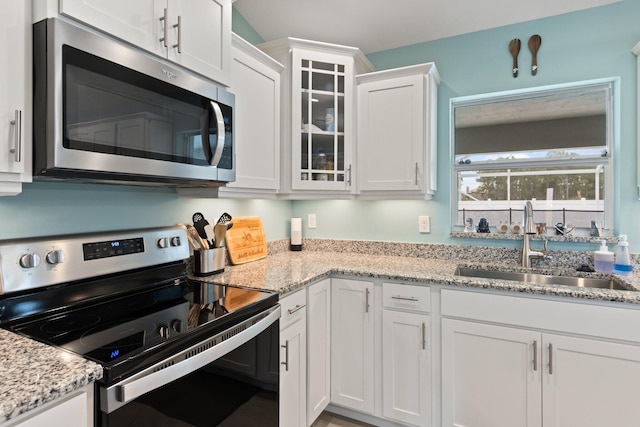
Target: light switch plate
311	221
424	224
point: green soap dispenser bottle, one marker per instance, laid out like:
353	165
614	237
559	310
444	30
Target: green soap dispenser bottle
622	263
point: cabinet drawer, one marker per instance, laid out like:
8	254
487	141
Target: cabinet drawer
293	308
618	323
406	297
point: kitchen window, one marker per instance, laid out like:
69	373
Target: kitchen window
550	145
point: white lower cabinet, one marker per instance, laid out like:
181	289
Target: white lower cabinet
74	410
318	349
488	376
352	344
589	383
513	375
293	360
406	370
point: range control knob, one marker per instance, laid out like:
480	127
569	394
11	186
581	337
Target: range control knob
163	331
175	241
30	260
176	325
54	257
163	242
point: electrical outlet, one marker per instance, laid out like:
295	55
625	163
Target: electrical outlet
424	224
311	221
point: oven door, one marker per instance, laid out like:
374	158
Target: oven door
116	113
231	378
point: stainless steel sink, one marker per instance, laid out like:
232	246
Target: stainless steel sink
542	279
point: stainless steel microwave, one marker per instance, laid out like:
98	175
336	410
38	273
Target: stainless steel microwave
107	111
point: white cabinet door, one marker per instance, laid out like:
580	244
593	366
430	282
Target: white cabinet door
491	376
193	33
293	361
352	369
318	116
74	410
590	383
318	349
396	130
15	96
255	80
201	35
406	367
137	22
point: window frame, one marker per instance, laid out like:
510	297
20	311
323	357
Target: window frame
611	85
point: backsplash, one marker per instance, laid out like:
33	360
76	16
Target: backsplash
456	253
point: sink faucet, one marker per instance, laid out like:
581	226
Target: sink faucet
530	230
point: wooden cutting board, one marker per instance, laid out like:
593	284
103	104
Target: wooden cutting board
246	240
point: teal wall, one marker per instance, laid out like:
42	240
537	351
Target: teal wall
47	208
583	45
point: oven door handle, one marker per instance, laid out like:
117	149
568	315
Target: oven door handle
152	378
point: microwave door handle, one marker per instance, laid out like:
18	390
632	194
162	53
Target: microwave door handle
213	157
217	155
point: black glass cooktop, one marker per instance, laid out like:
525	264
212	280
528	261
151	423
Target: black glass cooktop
127	329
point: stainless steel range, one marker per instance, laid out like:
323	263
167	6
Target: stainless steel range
174	351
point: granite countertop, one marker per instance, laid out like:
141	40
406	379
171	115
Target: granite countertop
287	271
32	374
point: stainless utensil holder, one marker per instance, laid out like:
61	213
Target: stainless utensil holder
209	261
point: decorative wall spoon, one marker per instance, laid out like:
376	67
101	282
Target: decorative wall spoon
534	44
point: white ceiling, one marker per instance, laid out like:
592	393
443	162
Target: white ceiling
375	25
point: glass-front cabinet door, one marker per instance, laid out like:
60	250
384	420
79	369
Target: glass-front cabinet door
322	121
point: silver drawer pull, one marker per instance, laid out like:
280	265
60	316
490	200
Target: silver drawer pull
424	336
404	298
535	355
296	308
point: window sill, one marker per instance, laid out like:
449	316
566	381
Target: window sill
551	238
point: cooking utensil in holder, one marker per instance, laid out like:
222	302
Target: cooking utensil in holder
209	261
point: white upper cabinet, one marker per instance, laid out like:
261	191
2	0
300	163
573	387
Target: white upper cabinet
318	116
255	80
193	33
15	96
397	140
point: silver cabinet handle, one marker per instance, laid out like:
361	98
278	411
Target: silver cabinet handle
550	359
417	171
296	308
349	175
535	355
16	149
286	356
165	31
404	298
366	307
179	27
424	336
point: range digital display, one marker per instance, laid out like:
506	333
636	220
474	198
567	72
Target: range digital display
116	349
111	248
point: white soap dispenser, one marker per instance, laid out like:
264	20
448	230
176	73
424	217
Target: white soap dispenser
603	259
623	260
